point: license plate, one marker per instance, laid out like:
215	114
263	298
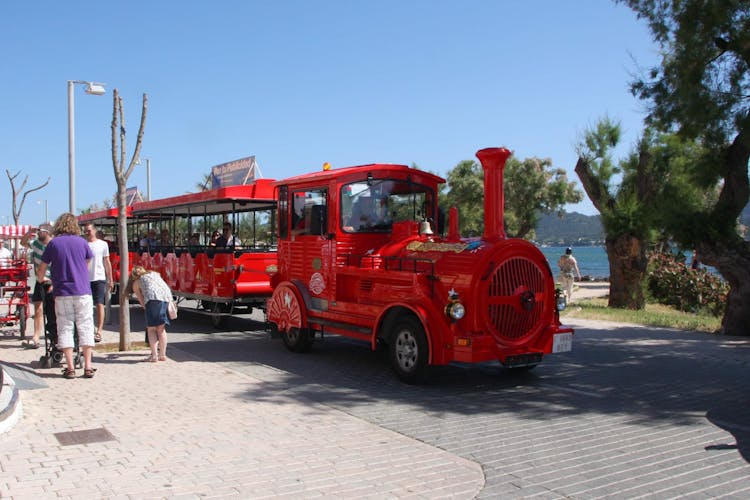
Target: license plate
562	342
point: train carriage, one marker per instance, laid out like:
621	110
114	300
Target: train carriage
210	279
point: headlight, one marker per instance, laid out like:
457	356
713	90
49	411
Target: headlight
561	302
455	311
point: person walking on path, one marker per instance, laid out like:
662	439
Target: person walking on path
154	295
41	292
68	256
100	276
568	270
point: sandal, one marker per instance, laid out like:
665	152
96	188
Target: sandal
150	359
68	373
89	373
98	337
31	344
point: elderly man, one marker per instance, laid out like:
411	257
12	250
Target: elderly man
42	293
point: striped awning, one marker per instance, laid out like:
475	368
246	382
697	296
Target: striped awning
13	231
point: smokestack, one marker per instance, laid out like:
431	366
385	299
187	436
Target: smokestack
493	163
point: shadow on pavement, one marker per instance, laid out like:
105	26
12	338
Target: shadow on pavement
647	374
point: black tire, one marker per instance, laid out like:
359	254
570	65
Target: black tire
298	339
218	320
408	350
21	313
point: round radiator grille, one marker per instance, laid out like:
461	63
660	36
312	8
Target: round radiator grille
515	299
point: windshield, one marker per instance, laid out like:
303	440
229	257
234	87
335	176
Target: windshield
375	206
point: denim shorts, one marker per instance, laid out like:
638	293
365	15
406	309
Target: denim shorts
156	313
99	291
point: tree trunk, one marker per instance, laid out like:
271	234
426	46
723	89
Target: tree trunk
732	260
627	271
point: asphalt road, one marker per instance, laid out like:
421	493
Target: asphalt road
631	412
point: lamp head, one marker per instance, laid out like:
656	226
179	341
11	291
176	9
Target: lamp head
95	88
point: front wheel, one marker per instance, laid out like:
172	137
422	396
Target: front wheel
408	350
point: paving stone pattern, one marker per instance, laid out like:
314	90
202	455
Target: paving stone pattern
630	413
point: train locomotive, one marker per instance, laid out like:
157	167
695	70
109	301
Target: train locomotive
359	255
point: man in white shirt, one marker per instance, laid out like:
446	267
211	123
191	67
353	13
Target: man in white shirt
5	255
100	275
227	239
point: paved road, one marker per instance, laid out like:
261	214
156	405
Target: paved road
631	412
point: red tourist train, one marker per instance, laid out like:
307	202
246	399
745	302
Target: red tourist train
359	252
358	257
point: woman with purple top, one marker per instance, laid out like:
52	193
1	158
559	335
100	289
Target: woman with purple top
68	256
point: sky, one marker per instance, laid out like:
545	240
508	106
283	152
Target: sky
298	83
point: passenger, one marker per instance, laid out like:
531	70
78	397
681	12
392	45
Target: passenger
195	240
164	239
149	241
214	238
100	276
227	239
37	245
153	294
68	255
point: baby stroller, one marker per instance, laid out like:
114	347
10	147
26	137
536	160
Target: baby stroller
52	355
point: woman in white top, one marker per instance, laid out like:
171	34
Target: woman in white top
154	295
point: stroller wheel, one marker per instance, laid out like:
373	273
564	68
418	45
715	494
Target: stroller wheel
57	356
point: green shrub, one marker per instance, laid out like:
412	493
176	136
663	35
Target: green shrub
673	283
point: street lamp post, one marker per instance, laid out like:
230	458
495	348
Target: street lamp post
46	217
91	88
148	176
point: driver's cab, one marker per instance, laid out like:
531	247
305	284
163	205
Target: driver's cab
329	221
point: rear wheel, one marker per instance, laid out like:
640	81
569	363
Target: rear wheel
408	350
298	339
218	320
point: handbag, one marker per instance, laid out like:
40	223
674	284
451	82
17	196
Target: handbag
172	309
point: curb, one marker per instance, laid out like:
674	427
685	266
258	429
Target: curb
11	408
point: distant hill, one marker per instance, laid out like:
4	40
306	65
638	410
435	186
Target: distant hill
570	229
578	229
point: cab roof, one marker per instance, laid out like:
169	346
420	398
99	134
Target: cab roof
348	174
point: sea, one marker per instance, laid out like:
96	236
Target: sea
592	260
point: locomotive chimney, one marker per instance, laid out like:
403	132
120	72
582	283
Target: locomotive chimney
493	162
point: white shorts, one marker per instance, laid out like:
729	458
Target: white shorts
74	312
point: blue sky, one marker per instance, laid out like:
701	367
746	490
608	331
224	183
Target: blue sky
300	83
